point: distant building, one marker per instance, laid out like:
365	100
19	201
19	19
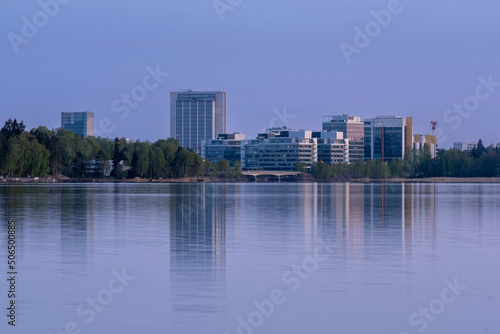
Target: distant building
281	149
231	136
421	141
250	154
464	146
283	153
197	116
388	137
332	147
274	131
96	167
353	129
81	123
226	146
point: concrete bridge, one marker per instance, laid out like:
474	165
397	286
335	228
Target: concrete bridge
269	173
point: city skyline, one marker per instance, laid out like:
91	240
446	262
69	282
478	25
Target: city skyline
256	167
454	145
284	117
281	63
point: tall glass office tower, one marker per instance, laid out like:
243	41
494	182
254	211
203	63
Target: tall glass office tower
197	116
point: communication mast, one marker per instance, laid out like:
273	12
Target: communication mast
434	125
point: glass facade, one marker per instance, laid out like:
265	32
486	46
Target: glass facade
197	116
81	123
250	154
332	151
229	150
284	153
393	143
194	122
368	140
385	138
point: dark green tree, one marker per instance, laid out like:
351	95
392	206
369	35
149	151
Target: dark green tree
12	128
4	149
181	162
223	167
237	172
117	171
301	166
478	151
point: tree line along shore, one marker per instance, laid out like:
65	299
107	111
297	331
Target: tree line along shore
48	155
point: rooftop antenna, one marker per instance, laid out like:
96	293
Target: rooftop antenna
434	125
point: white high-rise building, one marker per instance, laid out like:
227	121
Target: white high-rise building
197	116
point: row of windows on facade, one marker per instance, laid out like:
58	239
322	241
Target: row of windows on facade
195	112
192	115
194	128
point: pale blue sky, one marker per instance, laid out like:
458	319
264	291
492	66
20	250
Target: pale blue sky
273	54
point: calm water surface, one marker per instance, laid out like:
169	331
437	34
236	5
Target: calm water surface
209	258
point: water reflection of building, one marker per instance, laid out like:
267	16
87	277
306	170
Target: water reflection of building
363	216
308	204
389	217
77	225
198	249
340	209
424	211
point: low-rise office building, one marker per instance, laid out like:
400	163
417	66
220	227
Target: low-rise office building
352	128
227	146
388	137
332	147
279	149
250	154
283	153
464	145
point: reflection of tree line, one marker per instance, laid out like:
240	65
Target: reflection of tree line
59	213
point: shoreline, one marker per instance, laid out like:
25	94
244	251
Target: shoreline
309	179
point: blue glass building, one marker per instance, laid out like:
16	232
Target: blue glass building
81	123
